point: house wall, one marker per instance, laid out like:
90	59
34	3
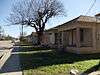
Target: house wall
52	38
86	39
82	50
45	39
70	37
49	37
64	38
68	29
98	37
69	26
92	30
88	33
34	39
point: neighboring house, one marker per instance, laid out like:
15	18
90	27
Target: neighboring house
32	38
49	38
80	35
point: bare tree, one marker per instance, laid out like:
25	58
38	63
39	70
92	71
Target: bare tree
35	13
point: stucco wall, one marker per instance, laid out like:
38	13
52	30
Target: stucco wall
52	38
89	37
92	36
82	50
49	38
98	36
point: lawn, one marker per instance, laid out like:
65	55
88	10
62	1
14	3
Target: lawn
50	62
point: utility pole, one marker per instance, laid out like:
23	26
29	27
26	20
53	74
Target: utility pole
1	33
92	5
21	32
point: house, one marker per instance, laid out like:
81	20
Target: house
49	38
80	35
32	38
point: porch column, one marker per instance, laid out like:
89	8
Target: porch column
63	38
94	37
78	37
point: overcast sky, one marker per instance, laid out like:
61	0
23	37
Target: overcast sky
73	8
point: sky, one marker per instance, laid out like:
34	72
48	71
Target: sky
73	9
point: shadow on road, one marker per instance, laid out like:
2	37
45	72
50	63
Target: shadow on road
12	64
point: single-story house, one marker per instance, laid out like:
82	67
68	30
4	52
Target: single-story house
32	38
80	35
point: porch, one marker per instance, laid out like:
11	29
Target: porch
79	40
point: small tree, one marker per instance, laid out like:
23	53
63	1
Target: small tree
35	13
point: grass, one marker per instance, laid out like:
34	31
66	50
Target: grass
50	62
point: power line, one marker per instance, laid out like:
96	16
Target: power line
92	5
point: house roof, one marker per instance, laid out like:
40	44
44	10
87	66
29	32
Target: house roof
88	19
97	14
33	33
54	28
81	18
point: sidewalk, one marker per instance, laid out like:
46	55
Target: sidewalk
12	73
12	65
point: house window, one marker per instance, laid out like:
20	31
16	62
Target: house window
81	35
72	38
85	37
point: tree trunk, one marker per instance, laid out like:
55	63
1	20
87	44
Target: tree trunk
39	35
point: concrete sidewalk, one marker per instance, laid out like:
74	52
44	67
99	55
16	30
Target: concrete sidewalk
12	73
12	65
5	51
